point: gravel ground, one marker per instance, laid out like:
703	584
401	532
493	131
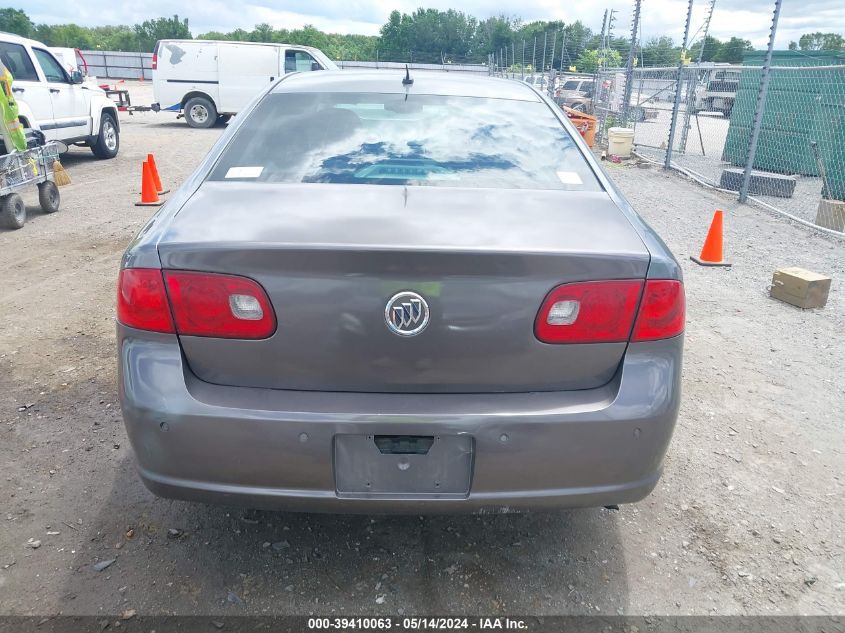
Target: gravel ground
748	518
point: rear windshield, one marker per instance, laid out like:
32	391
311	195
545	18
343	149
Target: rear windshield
394	139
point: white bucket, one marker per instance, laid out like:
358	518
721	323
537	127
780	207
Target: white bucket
620	141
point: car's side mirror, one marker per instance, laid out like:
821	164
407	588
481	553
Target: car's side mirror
316	66
76	77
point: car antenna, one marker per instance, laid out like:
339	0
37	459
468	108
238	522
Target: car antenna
407	81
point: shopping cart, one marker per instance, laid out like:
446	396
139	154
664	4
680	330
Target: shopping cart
19	170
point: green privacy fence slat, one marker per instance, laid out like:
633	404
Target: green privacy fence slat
803	105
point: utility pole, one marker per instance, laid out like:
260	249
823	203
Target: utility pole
667	163
608	36
707	19
601	55
761	106
629	66
682	146
543	69
562	48
552	65
522	73
603	31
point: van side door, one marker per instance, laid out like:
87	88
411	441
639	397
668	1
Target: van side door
71	111
244	70
27	86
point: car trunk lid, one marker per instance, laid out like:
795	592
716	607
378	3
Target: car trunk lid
330	258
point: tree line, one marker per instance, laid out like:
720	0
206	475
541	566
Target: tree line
425	35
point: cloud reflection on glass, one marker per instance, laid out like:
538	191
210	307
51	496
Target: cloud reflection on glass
398	139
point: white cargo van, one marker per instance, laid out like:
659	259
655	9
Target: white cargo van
211	81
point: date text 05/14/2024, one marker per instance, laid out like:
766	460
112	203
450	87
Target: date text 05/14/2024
411	623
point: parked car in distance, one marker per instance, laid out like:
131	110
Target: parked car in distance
575	92
433	300
58	102
718	92
538	81
210	81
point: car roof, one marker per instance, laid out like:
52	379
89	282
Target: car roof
17	39
239	43
455	84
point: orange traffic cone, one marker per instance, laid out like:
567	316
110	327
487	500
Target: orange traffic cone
152	161
149	195
711	252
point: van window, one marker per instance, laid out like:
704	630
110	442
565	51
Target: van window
53	70
16	59
298	62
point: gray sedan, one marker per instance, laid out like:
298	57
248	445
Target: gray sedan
390	294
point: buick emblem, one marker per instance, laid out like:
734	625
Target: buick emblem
406	314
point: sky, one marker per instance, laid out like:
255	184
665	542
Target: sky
748	19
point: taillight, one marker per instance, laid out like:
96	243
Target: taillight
142	300
606	311
220	306
662	310
154	64
589	312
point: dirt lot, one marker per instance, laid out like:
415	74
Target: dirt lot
748	518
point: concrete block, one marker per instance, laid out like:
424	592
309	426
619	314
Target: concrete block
831	215
763	183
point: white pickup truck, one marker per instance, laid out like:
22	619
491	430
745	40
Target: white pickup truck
57	102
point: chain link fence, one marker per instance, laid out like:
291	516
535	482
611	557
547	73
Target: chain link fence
798	168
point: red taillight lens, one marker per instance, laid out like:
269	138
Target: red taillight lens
142	300
154	65
589	312
220	306
662	311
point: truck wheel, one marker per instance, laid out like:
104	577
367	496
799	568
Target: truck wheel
200	112
48	196
108	140
12	211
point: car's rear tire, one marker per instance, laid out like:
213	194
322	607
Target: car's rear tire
49	197
12	211
200	112
107	143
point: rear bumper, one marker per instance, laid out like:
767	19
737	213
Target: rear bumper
274	449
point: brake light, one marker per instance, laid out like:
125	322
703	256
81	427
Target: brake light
220	306
589	312
662	312
606	311
142	300
154	64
